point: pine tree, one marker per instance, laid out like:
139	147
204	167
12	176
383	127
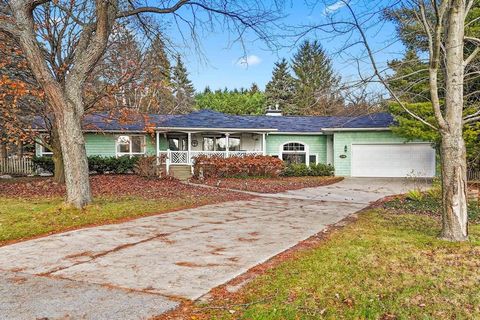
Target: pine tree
158	82
408	81
281	89
183	89
316	82
254	88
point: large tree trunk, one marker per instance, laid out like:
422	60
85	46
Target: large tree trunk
59	170
74	157
454	173
454	188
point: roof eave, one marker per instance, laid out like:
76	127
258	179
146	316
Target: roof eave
215	129
357	129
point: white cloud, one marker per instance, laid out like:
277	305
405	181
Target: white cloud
248	61
335	6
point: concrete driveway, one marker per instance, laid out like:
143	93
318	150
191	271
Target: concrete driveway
141	268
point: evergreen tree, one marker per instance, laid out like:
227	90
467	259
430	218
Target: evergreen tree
281	89
408	81
254	88
316	82
182	88
157	80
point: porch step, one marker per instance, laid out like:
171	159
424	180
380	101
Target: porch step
181	172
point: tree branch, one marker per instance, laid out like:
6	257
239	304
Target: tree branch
150	9
376	71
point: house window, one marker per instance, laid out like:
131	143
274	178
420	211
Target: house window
177	143
130	145
220	143
295	152
313	159
43	150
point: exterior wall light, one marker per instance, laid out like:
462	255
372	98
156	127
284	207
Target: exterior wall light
345	149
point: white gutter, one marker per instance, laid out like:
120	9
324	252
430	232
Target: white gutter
316	133
355	129
213	129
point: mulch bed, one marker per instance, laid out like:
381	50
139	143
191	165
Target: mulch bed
117	186
269	185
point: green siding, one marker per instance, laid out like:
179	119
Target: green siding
317	144
103	144
100	144
342	139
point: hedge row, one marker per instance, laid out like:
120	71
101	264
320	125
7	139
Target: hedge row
301	170
97	164
248	166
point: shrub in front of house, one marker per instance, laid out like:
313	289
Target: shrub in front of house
248	166
96	164
302	170
43	164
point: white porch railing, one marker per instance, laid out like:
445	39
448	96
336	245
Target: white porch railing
187	157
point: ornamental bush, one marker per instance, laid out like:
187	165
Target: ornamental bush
248	166
43	164
98	164
302	170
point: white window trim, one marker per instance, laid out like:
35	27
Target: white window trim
130	154
42	151
307	151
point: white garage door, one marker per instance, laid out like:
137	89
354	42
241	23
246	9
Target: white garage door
393	160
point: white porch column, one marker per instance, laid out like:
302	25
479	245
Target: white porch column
167	161
227	141
264	145
157	136
189	146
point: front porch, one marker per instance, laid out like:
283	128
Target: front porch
182	147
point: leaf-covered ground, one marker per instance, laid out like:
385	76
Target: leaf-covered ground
269	185
32	207
382	266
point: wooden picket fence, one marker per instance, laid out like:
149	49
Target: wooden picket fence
473	175
20	166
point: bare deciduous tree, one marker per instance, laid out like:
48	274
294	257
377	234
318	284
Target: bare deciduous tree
443	25
89	25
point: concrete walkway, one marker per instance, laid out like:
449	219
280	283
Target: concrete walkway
139	268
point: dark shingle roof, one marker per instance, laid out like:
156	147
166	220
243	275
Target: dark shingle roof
216	120
213	119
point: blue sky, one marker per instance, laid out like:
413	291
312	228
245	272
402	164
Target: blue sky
221	63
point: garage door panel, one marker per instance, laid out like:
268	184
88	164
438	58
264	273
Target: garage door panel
393	160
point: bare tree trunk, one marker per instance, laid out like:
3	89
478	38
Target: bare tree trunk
3	150
59	170
454	189
19	148
454	163
74	157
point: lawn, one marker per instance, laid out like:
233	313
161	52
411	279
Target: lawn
269	185
32	207
385	265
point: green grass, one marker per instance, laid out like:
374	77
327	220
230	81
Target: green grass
383	266
25	218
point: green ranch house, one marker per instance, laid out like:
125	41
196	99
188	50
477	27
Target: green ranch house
362	146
